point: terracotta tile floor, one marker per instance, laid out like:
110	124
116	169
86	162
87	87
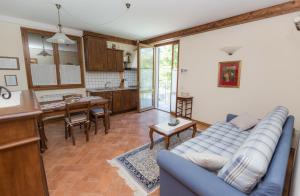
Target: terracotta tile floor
82	170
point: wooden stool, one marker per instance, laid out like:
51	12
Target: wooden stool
184	107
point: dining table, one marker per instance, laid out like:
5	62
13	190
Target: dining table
57	109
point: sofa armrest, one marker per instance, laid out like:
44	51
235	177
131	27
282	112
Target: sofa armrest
193	177
229	117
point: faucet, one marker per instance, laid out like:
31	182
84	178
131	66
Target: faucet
106	84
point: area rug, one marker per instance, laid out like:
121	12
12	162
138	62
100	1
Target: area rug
139	168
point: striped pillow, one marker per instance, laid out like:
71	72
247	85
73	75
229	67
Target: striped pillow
251	161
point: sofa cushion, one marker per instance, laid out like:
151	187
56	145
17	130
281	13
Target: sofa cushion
244	121
210	161
250	163
222	138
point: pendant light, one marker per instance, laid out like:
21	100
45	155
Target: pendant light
59	37
44	52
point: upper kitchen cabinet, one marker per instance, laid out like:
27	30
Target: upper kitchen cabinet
115	60
95	49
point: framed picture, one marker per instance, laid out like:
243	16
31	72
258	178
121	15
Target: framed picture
9	63
229	74
11	80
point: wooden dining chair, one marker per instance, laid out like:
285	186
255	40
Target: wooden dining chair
72	96
99	112
77	114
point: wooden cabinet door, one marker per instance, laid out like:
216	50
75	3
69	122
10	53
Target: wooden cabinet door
126	99
111	61
134	99
129	100
119	60
95	53
118	101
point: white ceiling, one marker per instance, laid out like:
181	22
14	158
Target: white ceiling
145	19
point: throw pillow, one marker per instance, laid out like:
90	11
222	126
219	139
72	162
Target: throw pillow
208	161
244	121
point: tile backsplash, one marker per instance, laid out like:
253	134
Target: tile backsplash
96	79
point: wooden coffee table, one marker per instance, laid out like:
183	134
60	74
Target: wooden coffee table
168	131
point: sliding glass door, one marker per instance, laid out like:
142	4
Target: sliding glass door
146	78
167	69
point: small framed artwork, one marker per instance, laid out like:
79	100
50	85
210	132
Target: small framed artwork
9	63
11	80
229	74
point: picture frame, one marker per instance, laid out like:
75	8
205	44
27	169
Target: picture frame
229	74
11	80
9	63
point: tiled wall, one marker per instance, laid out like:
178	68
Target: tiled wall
98	79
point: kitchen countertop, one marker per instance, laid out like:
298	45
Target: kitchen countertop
110	89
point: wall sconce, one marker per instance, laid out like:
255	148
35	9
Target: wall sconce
230	50
297	22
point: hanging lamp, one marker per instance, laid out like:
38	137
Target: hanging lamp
44	52
60	37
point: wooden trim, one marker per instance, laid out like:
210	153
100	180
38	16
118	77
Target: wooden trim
110	38
24	32
167	43
19	143
260	14
202	123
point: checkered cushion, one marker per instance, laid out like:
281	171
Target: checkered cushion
250	163
222	138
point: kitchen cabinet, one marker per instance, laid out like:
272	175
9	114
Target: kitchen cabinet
115	60
95	50
124	100
120	100
129	100
119	60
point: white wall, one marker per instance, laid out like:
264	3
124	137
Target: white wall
270	72
11	46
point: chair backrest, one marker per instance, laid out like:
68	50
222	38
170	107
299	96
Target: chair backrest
78	107
71	96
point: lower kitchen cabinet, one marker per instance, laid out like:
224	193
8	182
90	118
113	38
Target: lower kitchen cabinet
120	100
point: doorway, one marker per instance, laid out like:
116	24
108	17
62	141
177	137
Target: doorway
166	76
157	76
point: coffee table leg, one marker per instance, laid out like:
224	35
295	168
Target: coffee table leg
194	130
167	140
151	138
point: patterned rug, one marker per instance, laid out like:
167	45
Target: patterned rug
138	167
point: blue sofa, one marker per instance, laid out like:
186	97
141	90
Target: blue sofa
180	177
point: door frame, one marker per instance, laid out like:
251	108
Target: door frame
163	44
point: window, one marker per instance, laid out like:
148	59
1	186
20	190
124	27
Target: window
52	66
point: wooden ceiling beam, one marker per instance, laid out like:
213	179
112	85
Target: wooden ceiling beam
268	12
110	38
